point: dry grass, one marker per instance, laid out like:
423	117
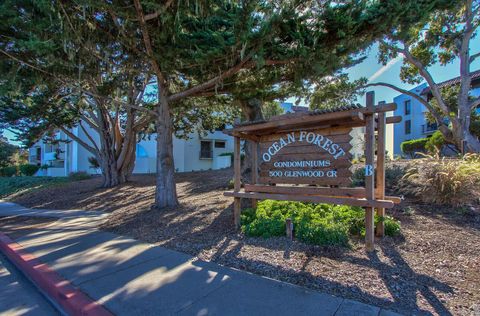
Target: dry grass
444	181
432	268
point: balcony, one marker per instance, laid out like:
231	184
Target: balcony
33	159
428	128
51	156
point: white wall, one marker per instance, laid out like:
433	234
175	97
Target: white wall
192	150
83	154
186	153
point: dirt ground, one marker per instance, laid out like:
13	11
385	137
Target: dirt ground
433	268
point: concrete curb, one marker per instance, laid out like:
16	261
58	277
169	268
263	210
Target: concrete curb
58	290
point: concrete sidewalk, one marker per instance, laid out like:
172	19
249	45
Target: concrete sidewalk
133	278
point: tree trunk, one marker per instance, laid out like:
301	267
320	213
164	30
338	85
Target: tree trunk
252	110
116	159
463	138
165	192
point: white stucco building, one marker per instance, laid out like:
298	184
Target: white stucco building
196	153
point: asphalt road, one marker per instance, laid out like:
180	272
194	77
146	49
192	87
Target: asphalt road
18	296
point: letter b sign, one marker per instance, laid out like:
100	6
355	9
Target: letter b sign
368	170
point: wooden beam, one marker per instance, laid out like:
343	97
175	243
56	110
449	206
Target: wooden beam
393	119
303	120
369	170
312	199
236	182
333	192
255	146
251	137
372	109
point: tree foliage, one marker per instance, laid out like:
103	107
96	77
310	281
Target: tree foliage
7	153
337	91
91	62
446	35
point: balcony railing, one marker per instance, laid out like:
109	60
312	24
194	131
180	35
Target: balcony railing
50	156
33	159
429	128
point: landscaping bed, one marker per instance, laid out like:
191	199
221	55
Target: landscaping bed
26	184
431	267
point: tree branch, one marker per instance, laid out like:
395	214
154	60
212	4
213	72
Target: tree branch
125	104
428	77
464	56
473	57
475	103
210	83
155	15
89	136
80	141
148	44
430	108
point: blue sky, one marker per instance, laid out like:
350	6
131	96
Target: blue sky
390	73
371	69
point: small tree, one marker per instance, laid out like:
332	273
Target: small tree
7	153
445	36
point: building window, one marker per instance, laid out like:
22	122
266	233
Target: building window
206	150
408	126
219	144
141	152
408	107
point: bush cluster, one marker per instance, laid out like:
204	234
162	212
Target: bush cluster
79	175
28	170
318	224
393	174
15	184
444	181
9	171
24	170
435	143
411	147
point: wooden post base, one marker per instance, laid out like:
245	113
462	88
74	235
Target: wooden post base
236	212
380	228
369	229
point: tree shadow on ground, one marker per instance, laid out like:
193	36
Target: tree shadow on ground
216	240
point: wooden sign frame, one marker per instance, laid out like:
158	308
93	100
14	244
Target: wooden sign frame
371	197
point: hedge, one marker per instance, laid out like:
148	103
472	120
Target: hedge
410	147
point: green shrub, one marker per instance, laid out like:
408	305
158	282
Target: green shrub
475	128
393	174
321	232
358	177
411	147
28	169
318	224
25	184
392	226
454	182
80	175
9	171
435	143
93	162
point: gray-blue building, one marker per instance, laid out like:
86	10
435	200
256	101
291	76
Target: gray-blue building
414	124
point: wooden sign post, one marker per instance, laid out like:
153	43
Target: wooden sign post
306	157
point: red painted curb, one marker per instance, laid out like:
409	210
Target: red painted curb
70	299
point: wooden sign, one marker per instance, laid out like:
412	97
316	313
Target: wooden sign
313	148
320	157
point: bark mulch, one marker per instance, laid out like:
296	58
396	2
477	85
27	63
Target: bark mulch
432	268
